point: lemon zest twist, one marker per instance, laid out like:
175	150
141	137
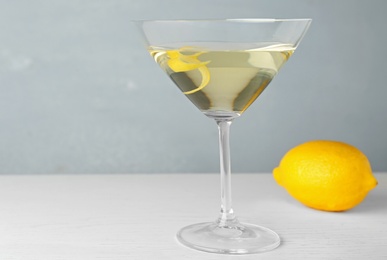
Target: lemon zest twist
179	62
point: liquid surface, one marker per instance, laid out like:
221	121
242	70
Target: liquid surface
222	81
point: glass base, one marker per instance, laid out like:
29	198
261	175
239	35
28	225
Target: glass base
236	239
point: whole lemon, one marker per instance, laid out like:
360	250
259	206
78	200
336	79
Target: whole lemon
326	175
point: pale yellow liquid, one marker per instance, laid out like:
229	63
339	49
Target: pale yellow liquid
237	77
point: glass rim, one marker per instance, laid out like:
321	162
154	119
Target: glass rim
236	20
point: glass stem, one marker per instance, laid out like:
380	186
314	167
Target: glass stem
227	216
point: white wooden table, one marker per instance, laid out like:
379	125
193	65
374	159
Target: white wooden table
130	217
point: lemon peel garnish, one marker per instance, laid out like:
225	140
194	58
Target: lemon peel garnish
179	62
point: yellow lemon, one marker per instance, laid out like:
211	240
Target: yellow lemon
326	175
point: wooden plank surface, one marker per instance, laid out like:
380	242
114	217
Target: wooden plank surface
122	217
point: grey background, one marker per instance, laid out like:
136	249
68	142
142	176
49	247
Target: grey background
79	94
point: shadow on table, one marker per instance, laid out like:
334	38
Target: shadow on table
374	202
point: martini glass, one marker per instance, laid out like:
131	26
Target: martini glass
222	66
